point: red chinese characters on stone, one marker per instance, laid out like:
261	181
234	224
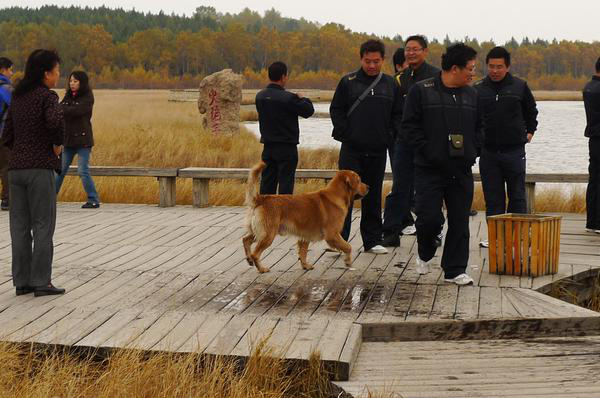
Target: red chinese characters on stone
215	111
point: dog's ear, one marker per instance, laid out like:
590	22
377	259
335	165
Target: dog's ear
348	181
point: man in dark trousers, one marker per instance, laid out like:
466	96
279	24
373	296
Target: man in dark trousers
397	218
278	112
591	100
366	113
509	122
441	123
6	72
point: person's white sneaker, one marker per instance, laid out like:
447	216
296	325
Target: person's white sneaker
378	249
484	243
409	230
596	231
422	266
462	279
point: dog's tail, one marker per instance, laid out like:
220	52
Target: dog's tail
252	186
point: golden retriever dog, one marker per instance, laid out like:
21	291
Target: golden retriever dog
312	217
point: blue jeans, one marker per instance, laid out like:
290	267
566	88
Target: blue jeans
83	169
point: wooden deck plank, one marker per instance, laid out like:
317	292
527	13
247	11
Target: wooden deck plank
73	327
307	339
206	333
445	304
101	334
158	330
490	303
181	332
259	332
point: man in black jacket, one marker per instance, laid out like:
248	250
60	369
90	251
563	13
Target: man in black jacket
278	112
397	218
441	123
366	112
591	100
509	122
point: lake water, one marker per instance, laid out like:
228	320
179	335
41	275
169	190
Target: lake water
557	147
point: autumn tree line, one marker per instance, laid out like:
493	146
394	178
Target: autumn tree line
131	49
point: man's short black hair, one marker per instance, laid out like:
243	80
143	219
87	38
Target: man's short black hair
498	52
277	70
457	54
5	63
372	46
421	39
398	58
598	65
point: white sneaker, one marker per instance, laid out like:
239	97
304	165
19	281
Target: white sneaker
378	249
409	230
597	231
484	243
462	279
422	266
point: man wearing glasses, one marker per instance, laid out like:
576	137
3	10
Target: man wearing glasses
397	217
441	123
509	122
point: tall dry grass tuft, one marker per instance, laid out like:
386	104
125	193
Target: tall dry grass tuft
57	372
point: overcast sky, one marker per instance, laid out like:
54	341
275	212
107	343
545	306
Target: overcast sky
498	20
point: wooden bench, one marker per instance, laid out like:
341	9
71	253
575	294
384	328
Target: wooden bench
201	177
166	178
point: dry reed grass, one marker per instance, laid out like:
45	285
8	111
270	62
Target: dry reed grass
557	95
142	128
57	372
34	371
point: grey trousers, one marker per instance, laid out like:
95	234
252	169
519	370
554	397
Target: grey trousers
32	221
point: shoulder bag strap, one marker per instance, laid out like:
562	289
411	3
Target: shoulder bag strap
364	94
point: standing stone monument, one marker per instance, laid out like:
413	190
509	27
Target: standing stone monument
219	101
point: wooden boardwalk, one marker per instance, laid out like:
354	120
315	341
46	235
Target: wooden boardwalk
175	279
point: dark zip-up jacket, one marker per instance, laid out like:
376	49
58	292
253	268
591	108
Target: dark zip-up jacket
278	112
78	120
375	121
408	77
431	113
509	111
591	101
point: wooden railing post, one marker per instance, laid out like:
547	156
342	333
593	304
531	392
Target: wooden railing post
200	192
530	195
167	191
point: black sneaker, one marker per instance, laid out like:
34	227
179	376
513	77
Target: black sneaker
90	205
4	205
47	290
391	241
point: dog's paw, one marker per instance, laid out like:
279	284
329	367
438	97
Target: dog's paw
250	261
262	270
307	266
